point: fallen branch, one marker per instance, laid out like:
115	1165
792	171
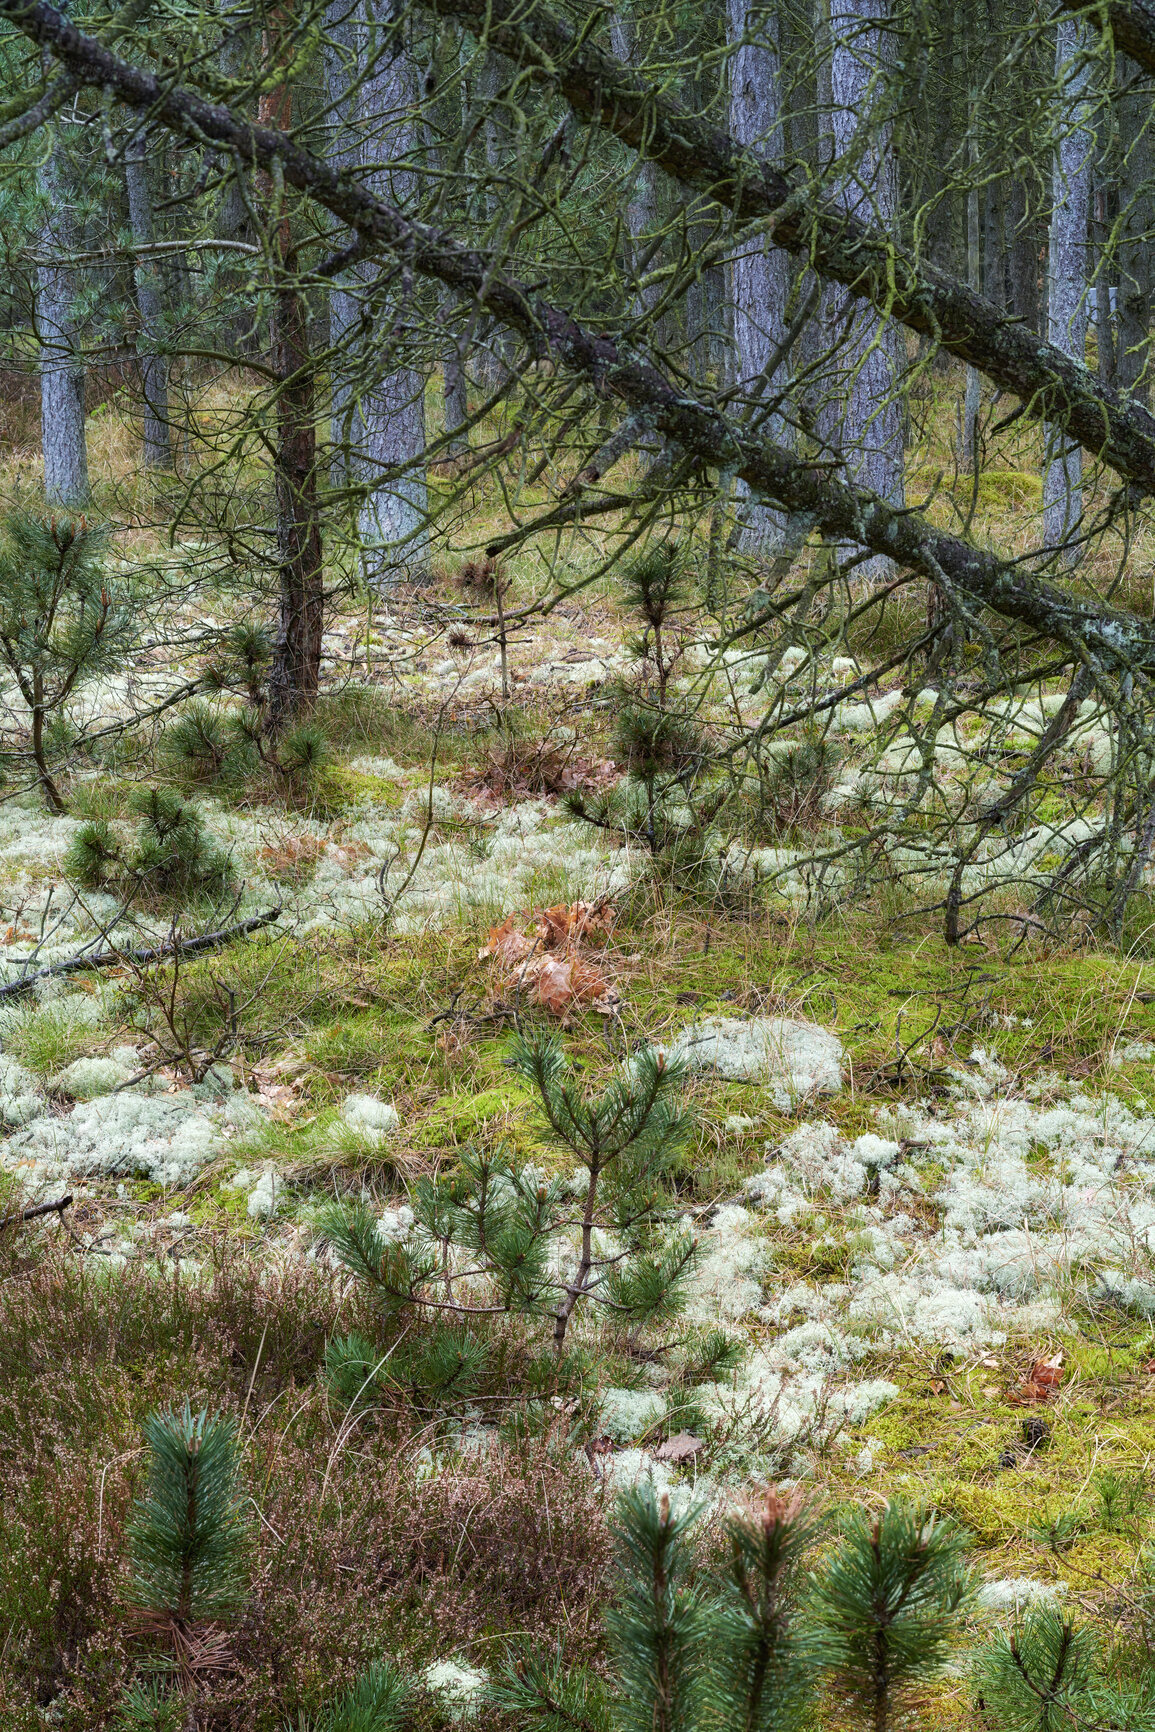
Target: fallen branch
37	1210
116	958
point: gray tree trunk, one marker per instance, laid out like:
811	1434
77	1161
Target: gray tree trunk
870	432
641	191
58	330
378	421
1025	247
150	302
1137	217
1067	295
448	121
759	274
972	401
393	521
341	68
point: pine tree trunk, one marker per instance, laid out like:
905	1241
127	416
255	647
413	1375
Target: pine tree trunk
63	436
446	123
760	272
341	66
1067	296
149	299
973	397
870	426
393	521
454	399
295	677
1137	216
641	190
1024	256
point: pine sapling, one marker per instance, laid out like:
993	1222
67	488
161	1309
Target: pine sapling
887	1604
655	584
759	1679
187	1538
660	1626
1050	1675
494	1237
60	621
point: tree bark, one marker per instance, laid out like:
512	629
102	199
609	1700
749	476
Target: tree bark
1067	292
340	57
641	184
394	518
62	422
295	676
1110	638
1024	260
1137	217
867	424
157	449
759	272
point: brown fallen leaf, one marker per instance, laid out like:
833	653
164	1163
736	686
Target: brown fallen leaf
1039	1384
506	944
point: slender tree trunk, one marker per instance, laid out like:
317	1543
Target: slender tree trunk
1104	285
47	786
454	398
641	189
394	516
871	422
1137	217
1025	248
63	437
760	272
973	398
341	68
444	124
295	677
1067	297
495	351
149	300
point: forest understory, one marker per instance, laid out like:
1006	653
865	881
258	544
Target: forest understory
577	866
918	1177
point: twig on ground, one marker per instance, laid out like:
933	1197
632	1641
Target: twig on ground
116	958
35	1211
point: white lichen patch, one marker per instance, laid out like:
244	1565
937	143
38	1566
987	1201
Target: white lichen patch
167	1138
795	1060
370	1116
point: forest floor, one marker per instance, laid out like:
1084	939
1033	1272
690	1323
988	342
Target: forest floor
928	1220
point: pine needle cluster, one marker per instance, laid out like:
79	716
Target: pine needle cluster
187	1538
61	621
174	856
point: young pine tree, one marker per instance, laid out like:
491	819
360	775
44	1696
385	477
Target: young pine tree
187	1538
497	1220
885	1607
60	622
174	856
660	1628
759	1677
1049	1676
696	1649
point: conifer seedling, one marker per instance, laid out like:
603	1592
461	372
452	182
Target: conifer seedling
187	1538
886	1606
61	621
